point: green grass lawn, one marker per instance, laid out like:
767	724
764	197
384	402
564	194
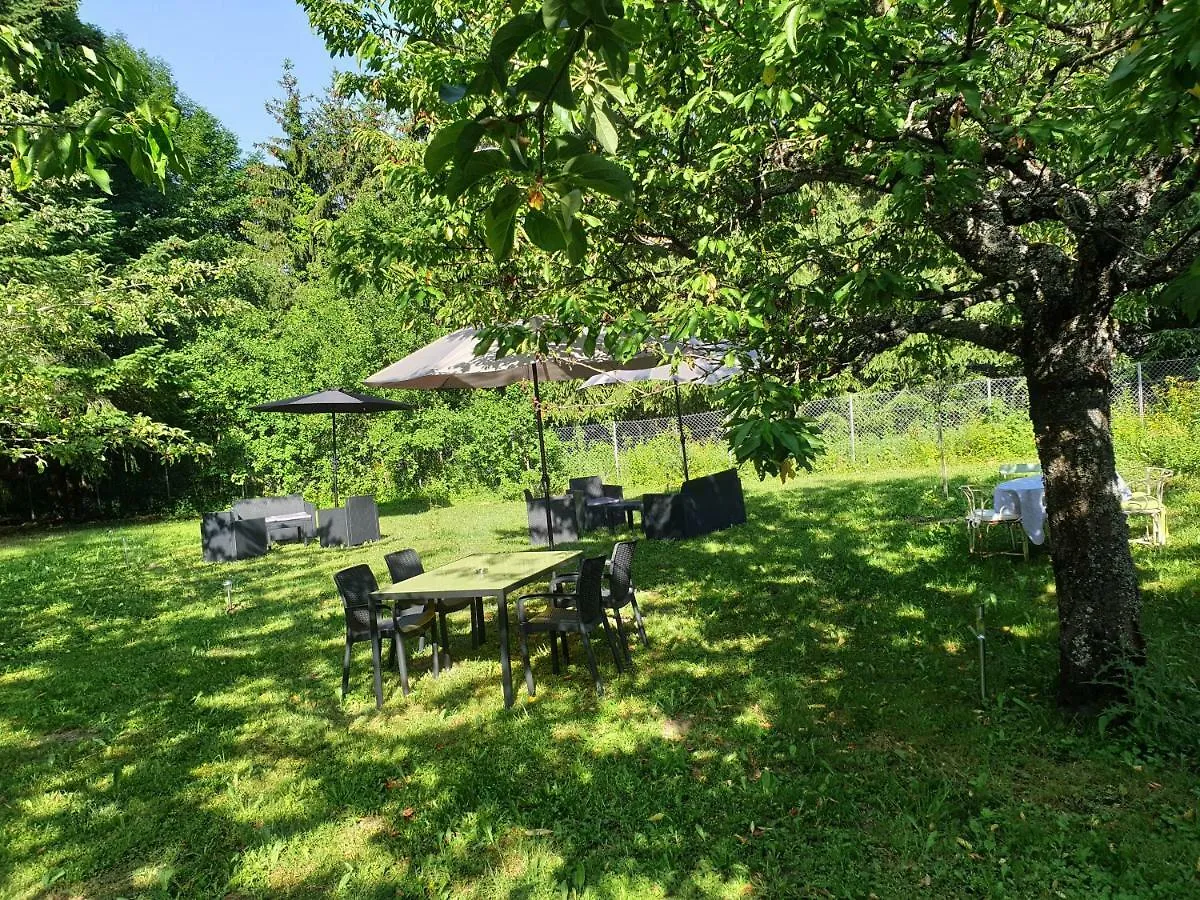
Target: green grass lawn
806	723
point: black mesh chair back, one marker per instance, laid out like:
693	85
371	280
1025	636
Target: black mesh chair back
356	584
621	579
588	589
403	564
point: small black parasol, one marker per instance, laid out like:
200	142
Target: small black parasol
332	402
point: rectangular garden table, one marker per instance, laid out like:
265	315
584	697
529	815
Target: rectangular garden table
484	575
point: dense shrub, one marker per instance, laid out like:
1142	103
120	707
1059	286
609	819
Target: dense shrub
1171	433
1169	436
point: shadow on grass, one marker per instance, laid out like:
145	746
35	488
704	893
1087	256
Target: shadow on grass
804	721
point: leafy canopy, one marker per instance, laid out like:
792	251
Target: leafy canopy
70	107
805	179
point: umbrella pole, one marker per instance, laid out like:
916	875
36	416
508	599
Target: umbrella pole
334	461
537	411
682	439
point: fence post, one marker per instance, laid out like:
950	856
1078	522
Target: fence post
941	441
850	397
1141	398
616	457
989	393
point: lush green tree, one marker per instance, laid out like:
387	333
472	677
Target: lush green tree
67	105
819	180
308	324
104	280
83	336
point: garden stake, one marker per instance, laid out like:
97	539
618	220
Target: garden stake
981	638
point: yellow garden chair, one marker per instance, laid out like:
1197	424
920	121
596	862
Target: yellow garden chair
1149	503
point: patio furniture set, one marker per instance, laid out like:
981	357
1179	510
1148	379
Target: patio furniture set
417	602
702	505
251	527
1019	506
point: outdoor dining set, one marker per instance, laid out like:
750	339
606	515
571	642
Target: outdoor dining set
1019	507
701	505
415	605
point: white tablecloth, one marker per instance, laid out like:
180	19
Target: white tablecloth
1026	497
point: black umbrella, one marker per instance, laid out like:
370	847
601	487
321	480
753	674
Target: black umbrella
332	402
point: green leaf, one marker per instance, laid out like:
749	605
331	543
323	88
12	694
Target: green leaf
99	121
140	165
790	25
627	32
570	204
508	39
64	147
478	166
544	232
603	128
576	243
564	146
616	91
612	52
44	156
1124	71
540	81
453	141
972	98
592	9
19	138
22	175
98	175
553	12
499	222
597	173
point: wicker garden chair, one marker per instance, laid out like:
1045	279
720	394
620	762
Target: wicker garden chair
586	616
368	620
618	593
980	519
404	564
1149	503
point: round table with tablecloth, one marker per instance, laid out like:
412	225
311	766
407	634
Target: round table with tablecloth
1026	497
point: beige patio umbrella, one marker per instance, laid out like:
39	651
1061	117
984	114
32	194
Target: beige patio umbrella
450	362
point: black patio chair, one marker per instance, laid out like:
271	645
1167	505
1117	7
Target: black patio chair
404	564
369	620
586	615
618	593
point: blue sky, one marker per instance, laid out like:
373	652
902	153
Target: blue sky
226	55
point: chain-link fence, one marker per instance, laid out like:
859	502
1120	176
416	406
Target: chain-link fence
911	424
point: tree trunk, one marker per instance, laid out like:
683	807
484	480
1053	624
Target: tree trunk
1099	604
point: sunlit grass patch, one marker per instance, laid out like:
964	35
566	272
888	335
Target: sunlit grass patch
805	723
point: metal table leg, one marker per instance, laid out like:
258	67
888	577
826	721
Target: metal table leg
505	662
